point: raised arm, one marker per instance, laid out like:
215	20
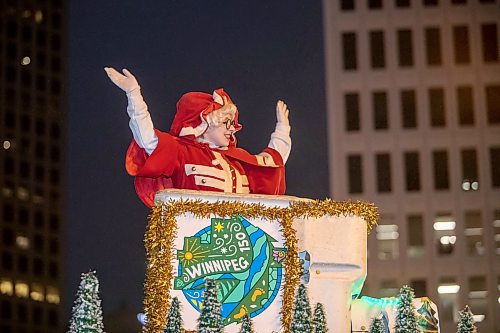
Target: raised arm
280	139
140	119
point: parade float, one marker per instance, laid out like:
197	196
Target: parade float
219	218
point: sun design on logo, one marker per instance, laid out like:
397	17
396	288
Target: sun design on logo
194	252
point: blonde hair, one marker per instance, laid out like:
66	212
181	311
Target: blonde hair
218	116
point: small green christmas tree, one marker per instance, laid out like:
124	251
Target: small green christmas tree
377	326
301	321
174	319
319	319
86	316
210	320
466	321
246	325
406	320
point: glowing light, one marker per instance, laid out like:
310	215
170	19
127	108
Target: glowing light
23	242
38	16
465	185
22	290
6	144
448	289
6	287
22	193
478	318
475	186
37	292
26	61
53	295
446	240
498	300
26	13
445	225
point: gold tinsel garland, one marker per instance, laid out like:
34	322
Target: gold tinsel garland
162	230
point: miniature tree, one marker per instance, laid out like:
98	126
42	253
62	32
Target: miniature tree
301	321
246	325
174	319
210	320
319	319
466	321
377	326
86	316
406	320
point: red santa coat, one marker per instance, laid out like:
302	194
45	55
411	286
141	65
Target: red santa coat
184	163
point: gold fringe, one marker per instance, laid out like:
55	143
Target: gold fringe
162	230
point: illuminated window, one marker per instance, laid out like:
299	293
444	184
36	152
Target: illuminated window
387	238
477	297
53	295
6	287
37	293
496	232
444	233
448	289
22	290
416	247
22	242
474	233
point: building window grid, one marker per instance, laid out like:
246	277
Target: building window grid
408	109
405	47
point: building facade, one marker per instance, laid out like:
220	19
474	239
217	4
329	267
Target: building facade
413	99
32	118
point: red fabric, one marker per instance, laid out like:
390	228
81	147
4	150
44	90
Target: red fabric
164	168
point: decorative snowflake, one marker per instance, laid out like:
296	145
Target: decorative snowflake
223	250
226	235
215	235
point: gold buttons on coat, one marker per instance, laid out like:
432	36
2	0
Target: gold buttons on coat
193	168
203	181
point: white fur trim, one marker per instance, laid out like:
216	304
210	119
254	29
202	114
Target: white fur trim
217	98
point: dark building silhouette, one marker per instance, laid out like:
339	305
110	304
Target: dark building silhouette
32	118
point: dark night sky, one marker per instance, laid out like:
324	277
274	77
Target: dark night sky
259	51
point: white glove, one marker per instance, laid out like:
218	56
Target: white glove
126	81
282	115
140	120
280	139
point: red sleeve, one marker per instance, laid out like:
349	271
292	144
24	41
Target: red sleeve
152	172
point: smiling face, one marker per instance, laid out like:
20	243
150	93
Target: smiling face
220	135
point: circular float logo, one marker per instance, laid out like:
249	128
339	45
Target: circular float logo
243	261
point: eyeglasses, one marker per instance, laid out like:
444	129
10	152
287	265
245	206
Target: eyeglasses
229	123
